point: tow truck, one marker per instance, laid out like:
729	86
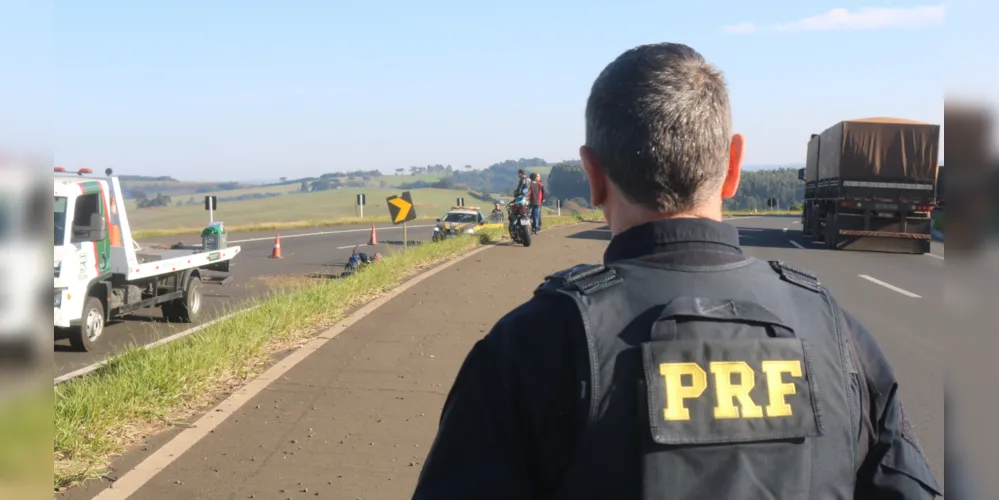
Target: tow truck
463	220
101	273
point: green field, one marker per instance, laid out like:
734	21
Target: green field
330	205
181	191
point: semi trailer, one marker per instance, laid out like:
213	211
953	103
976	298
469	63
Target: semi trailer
870	184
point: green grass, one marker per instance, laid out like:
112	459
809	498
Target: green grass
143	391
940	223
738	213
323	206
25	431
425	213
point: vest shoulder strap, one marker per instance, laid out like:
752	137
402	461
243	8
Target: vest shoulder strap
797	276
580	279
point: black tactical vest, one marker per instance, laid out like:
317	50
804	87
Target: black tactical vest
726	382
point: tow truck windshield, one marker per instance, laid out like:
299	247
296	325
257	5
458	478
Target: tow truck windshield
460	218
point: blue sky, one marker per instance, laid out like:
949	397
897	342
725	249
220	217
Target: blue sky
258	89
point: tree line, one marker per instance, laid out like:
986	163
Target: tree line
567	181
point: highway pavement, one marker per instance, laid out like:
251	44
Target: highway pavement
355	418
304	251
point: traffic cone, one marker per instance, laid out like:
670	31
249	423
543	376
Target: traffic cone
276	253
373	240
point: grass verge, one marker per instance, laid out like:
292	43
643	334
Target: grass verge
743	213
143	391
267	226
940	223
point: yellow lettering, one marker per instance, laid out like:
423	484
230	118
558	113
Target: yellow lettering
778	389
676	392
728	392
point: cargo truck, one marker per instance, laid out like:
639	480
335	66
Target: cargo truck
870	184
101	273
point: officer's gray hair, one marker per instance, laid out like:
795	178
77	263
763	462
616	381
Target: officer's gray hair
659	122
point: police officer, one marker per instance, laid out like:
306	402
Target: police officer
680	368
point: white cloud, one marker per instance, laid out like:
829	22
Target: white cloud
866	18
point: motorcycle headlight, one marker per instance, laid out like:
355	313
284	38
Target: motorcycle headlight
437	229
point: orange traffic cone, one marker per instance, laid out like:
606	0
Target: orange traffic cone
374	236
276	253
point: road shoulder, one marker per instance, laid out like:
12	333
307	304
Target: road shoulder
357	415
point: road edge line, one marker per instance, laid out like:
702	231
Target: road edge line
891	287
159	460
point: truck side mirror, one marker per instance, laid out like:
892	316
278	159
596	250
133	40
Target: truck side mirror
801	174
97	230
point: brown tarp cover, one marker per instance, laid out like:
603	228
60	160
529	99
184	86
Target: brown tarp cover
880	150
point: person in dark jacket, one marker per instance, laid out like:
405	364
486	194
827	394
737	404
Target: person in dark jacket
679	367
522	183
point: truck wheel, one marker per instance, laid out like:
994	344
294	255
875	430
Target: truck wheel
85	336
832	231
186	309
817	234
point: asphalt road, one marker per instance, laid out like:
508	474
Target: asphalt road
354	419
304	251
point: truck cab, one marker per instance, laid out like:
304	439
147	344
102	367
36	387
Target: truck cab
99	274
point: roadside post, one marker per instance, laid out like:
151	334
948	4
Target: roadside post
359	202
558	206
401	211
211	204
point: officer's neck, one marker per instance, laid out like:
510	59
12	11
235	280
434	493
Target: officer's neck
623	217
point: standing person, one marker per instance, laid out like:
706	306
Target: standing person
534	201
541	200
522	182
680	367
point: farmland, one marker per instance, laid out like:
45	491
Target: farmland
322	206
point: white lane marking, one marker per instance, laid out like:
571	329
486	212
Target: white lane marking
799	245
179	335
785	229
889	286
796	222
935	256
321	233
134	479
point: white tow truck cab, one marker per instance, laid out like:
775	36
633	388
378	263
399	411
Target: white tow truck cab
101	273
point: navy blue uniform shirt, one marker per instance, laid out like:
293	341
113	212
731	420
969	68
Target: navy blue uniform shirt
511	419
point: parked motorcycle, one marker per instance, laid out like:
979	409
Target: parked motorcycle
520	221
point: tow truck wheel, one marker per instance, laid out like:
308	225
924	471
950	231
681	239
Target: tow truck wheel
186	309
85	336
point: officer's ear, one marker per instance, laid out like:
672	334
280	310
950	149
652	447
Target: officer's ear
595	172
736	153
